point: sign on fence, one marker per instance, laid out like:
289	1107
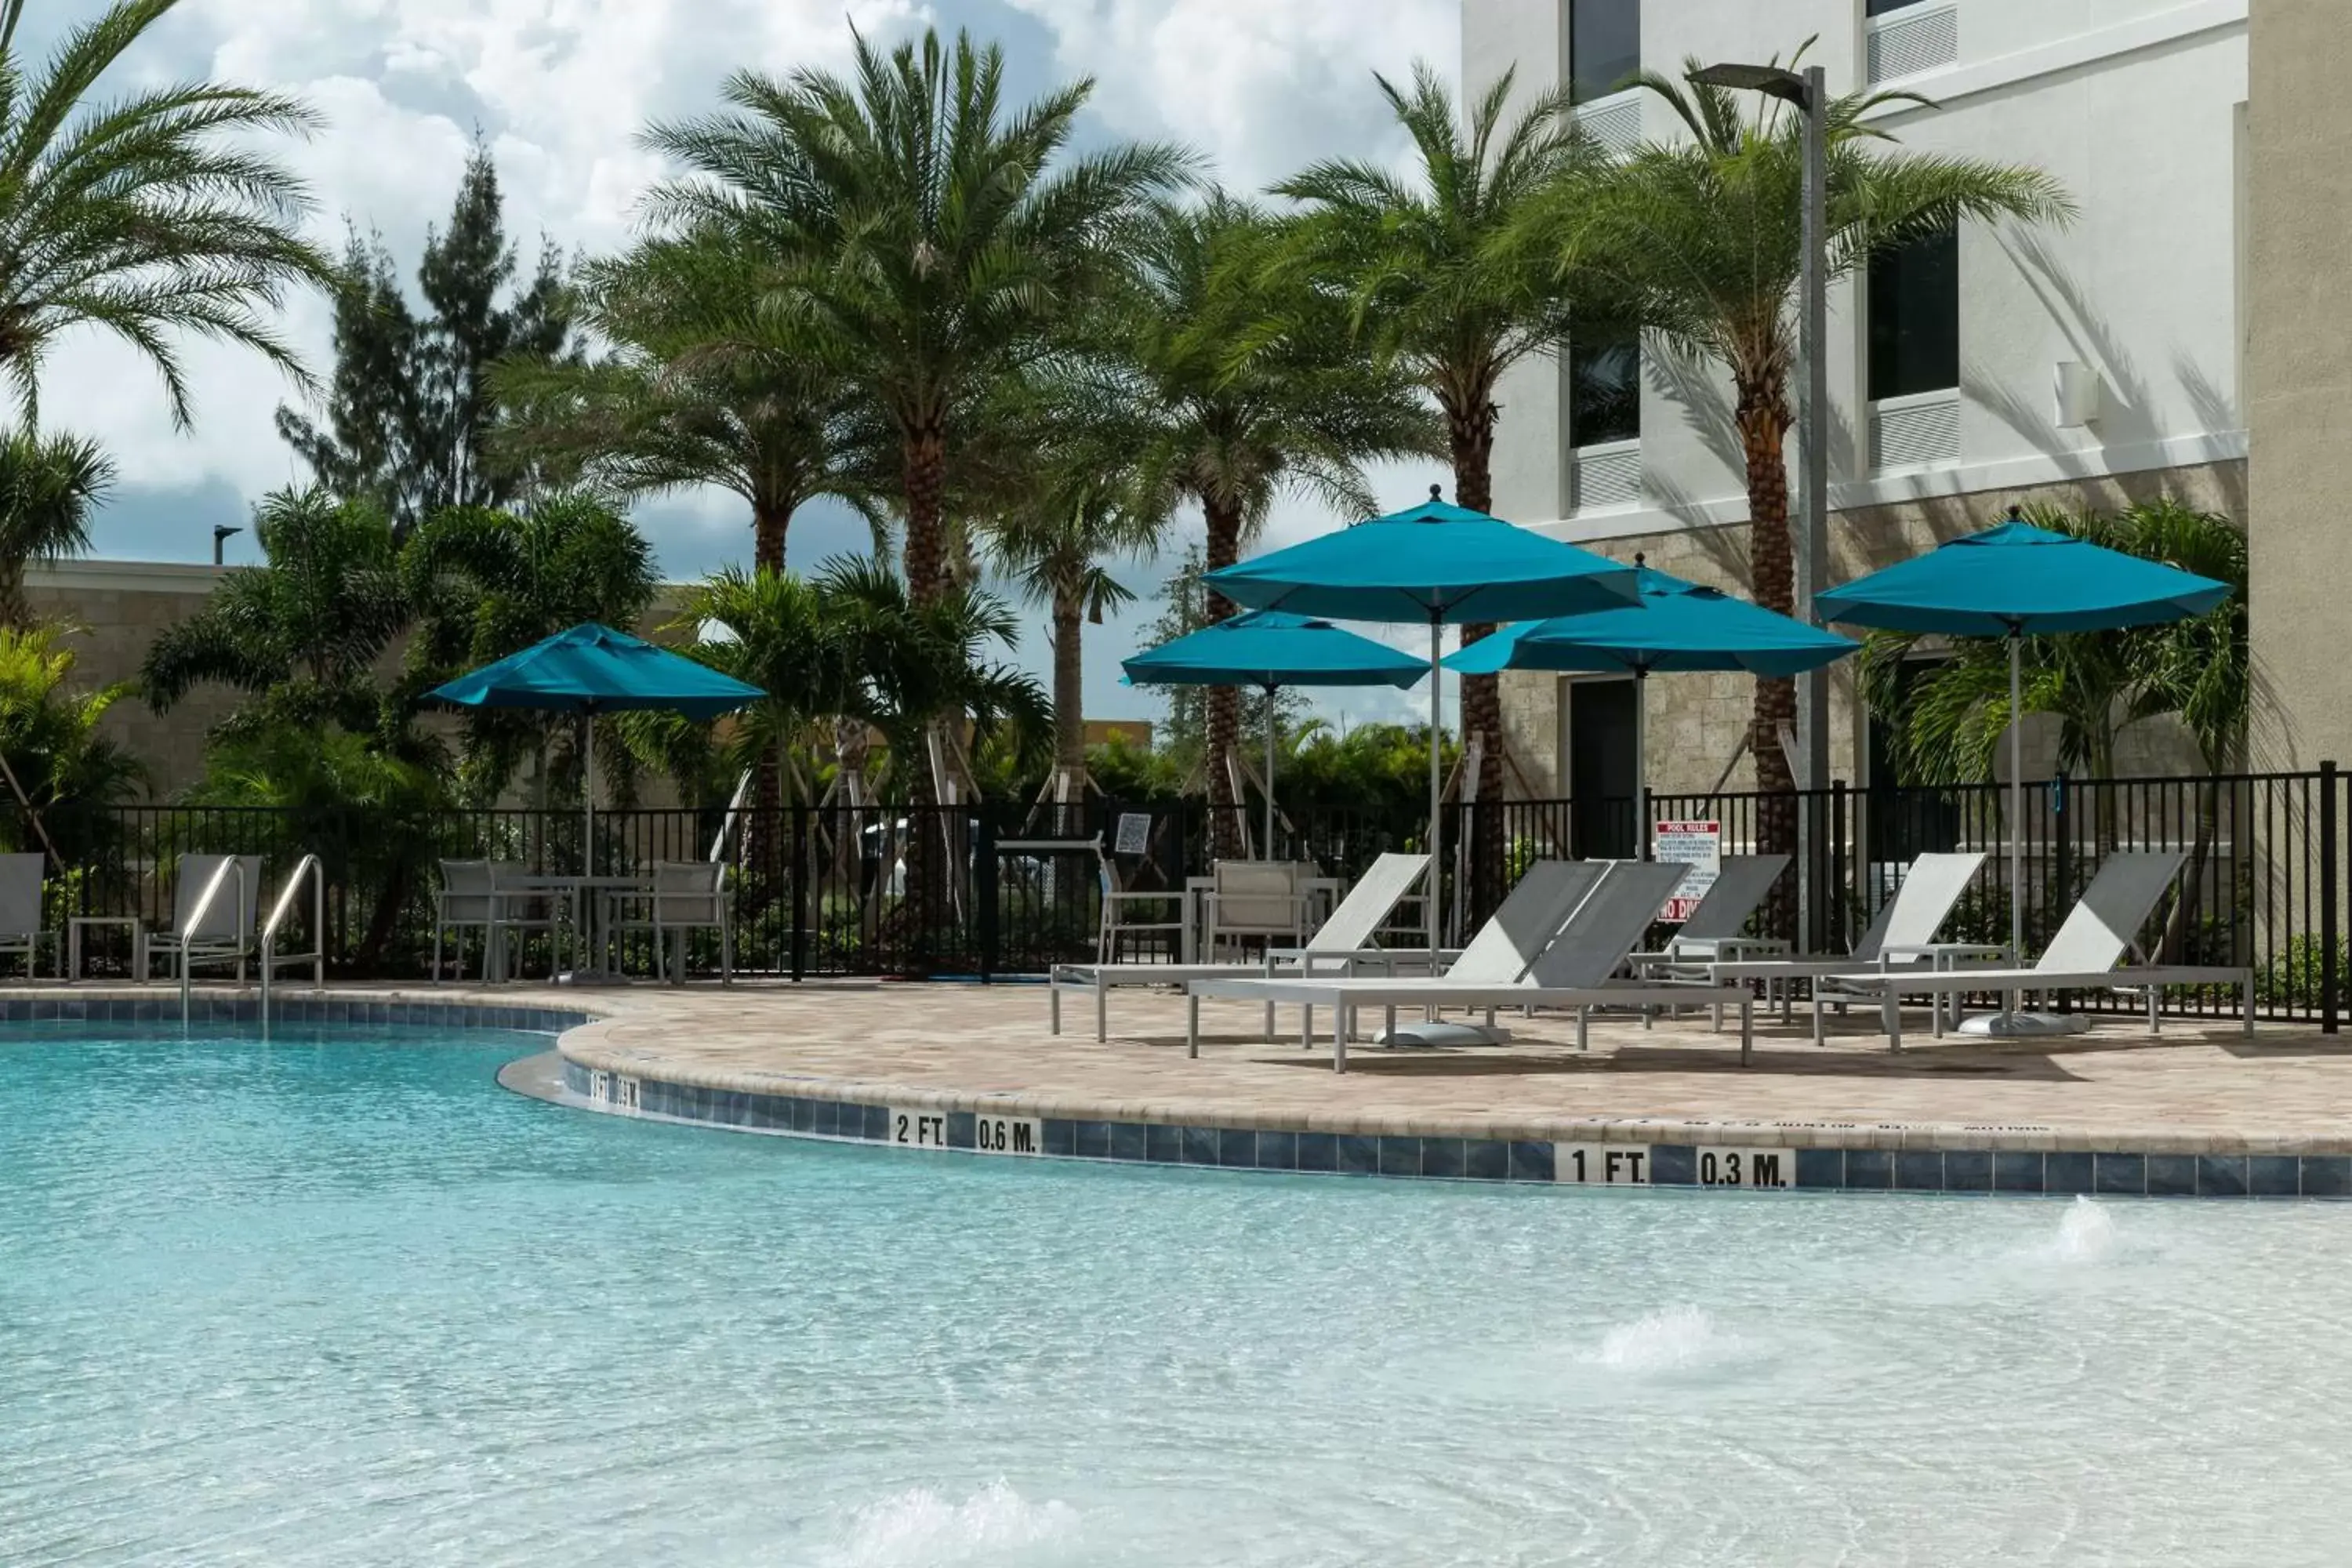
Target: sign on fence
1134	833
1697	846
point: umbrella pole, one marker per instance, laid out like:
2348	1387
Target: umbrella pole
1268	782
1436	789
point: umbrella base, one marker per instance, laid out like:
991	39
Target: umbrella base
2024	1026
1429	1035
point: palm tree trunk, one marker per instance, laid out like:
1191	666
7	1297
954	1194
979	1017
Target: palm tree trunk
1470	439
924	451
1772	570
1224	547
1070	706
770	517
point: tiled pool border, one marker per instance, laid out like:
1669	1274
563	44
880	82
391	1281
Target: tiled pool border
161	1007
1424	1156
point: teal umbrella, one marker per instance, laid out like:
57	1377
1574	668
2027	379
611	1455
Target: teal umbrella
1435	563
594	670
1680	626
1272	649
2015	581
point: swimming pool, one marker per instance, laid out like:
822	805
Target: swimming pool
339	1300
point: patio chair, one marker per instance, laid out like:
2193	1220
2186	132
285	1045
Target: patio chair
684	896
1343	942
219	932
21	923
1132	910
1258	899
2099	932
1565	959
470	898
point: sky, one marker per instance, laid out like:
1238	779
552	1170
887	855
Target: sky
559	90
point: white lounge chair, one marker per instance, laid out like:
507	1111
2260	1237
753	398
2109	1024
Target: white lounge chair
1904	932
1342	943
1563	959
224	931
23	927
2101	929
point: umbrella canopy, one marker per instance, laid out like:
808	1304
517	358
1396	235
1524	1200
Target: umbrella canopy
2014	580
1431	563
593	668
1273	648
1680	626
1437	564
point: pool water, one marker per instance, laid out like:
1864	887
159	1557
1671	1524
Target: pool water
339	1300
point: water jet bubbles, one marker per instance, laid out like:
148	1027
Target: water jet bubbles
1672	1339
921	1526
2087	1233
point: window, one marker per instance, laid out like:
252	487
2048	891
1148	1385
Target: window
1604	46
1604	391
1915	317
1881	7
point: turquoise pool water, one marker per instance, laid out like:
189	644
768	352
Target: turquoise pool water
339	1300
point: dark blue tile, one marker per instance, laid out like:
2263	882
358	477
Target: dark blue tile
1359	1156
2222	1176
1319	1151
1236	1146
2327	1176
1091	1140
1126	1140
2066	1171
1485	1159
734	1107
1164	1144
2273	1176
1968	1170
803	1115
1200	1146
1531	1160
824	1119
1821	1167
1916	1169
1440	1156
1059	1135
1872	1168
1277	1150
2119	1173
1399	1156
877	1122
961	1133
2019	1171
2172	1175
1673	1164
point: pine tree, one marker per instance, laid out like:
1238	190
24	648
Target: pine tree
409	411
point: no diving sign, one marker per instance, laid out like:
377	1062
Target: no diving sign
1697	847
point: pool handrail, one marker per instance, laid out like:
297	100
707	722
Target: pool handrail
307	865
195	920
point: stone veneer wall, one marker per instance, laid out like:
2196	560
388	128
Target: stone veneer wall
1696	722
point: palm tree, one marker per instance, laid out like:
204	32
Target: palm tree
51	735
1246	386
300	634
700	387
487	584
1432	284
150	215
49	487
1701	239
938	235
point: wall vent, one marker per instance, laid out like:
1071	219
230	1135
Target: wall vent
1909	42
1615	121
1921	432
1606	476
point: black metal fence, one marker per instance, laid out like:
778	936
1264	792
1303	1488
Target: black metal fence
1003	890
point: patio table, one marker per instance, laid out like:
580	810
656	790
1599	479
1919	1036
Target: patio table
594	898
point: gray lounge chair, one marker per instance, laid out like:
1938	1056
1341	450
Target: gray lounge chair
1559	950
2101	929
23	927
1342	943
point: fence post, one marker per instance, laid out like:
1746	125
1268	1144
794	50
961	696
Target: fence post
985	891
2063	852
2328	976
800	892
1840	898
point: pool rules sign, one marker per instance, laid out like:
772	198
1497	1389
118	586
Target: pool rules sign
1698	848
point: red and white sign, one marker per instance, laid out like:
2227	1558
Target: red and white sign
1697	847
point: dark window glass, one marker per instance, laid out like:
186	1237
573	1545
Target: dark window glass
1881	7
1601	770
1915	317
1604	391
1604	46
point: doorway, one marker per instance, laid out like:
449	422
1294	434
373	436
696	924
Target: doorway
1601	769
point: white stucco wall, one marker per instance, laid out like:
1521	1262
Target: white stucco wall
2135	105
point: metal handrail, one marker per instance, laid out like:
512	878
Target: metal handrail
316	957
195	921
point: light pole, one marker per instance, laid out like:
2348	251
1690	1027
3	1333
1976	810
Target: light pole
1808	90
